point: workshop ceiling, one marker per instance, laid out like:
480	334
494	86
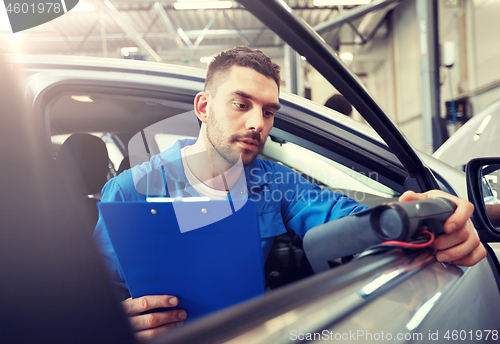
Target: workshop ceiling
160	32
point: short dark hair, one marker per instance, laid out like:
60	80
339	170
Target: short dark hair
338	103
244	57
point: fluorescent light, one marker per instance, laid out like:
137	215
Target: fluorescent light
206	59
340	2
127	50
201	5
347	57
83	7
83	99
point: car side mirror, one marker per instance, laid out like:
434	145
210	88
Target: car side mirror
483	188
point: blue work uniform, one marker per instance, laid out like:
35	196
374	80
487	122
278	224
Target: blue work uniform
284	200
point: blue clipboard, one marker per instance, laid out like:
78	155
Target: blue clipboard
208	268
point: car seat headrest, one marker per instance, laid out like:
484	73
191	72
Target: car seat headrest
86	157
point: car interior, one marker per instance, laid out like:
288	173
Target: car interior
115	116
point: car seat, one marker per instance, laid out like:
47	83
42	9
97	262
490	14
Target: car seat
84	158
286	262
124	165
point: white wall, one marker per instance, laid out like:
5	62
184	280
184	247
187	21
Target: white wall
380	81
322	90
487	39
395	81
478	64
485	50
396	84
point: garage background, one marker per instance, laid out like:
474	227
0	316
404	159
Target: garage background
396	47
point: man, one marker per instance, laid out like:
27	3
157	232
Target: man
237	110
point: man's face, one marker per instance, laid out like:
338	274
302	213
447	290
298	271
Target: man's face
241	114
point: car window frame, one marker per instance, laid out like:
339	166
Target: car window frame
278	17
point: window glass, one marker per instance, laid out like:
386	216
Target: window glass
363	187
165	141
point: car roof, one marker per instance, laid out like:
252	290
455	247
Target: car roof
58	68
99	63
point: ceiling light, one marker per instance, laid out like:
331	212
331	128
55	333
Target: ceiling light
83	7
347	57
83	99
202	5
319	3
206	59
126	51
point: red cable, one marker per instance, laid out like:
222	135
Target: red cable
410	245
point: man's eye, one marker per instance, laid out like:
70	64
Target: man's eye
268	113
240	106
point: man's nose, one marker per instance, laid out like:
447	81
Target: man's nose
255	120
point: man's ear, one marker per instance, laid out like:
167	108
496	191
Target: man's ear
201	106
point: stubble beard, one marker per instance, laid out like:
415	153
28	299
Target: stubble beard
222	149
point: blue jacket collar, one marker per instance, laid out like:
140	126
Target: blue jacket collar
171	160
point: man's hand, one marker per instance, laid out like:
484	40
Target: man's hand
460	244
149	325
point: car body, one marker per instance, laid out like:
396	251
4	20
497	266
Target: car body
397	297
477	138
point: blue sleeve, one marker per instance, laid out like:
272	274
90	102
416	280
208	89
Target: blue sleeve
306	205
112	192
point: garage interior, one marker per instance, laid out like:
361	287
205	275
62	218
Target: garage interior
414	56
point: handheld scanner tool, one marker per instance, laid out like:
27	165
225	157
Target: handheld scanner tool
399	221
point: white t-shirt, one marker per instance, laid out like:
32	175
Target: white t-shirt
198	185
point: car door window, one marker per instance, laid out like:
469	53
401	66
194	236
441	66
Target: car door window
165	141
327	173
